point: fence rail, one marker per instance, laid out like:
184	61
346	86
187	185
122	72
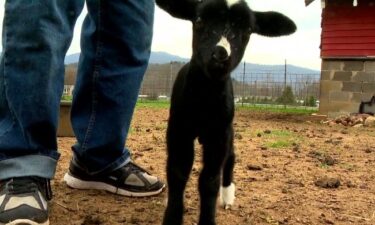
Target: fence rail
264	88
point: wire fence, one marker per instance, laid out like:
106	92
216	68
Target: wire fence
261	88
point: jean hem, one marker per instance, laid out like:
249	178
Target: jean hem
30	165
120	162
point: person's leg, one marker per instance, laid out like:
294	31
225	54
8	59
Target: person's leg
36	36
115	42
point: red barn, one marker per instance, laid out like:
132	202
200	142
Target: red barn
348	54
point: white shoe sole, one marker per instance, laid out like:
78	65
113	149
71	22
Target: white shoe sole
81	184
25	222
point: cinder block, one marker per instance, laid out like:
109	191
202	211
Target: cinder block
342	76
356	97
364	77
326	75
361	97
324	105
354	65
342	108
368	88
332	65
339	96
352	107
326	86
65	127
370	66
352	86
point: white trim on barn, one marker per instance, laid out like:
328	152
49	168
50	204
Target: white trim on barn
323	3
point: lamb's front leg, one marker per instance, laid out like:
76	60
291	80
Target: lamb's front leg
179	164
227	191
209	180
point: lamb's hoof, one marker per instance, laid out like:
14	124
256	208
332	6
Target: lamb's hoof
226	207
227	196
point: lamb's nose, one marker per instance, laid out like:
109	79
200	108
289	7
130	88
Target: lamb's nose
220	54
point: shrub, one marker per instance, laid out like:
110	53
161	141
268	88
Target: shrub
287	97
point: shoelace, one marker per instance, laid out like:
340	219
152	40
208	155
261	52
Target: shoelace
29	185
134	168
21	186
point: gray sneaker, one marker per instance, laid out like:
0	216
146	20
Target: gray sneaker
23	201
129	180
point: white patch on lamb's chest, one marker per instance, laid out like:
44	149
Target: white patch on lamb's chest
230	3
225	44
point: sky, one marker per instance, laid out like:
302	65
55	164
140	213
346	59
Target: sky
301	48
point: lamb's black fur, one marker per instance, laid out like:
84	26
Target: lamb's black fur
202	100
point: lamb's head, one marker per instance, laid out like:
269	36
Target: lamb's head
222	29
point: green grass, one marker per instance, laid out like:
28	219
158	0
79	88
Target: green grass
153	104
279	144
278	109
323	166
164	104
279	139
282	133
270	108
66	98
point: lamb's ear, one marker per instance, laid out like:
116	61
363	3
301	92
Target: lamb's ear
273	24
182	9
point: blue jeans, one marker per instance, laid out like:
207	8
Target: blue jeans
115	42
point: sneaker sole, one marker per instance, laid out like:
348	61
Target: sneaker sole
25	222
81	184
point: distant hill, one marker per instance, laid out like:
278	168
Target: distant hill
261	68
263	72
71	59
155	58
164	58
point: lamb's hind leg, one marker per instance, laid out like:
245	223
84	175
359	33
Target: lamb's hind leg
179	164
209	181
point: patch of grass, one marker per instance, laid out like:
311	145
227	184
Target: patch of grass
298	110
274	133
278	109
280	139
282	133
279	144
153	104
324	166
66	98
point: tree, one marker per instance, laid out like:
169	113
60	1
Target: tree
287	97
311	101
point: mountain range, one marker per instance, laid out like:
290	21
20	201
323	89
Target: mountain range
163	58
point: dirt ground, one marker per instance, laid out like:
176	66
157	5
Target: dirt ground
289	171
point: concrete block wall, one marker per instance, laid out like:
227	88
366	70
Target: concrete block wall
344	84
65	127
